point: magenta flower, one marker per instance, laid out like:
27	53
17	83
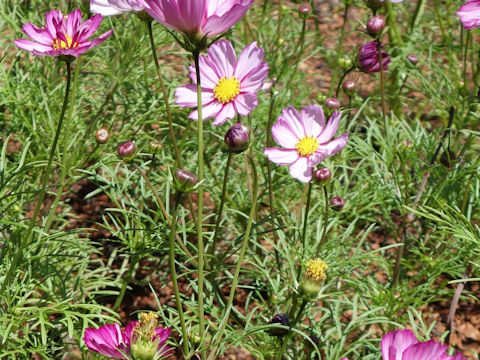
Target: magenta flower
111	341
114	7
369	59
306	139
228	86
469	14
204	17
62	36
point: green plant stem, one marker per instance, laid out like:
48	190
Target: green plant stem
382	86
241	256
345	73
173	231
339	49
26	239
417	15
127	279
305	224
292	325
325	223
200	177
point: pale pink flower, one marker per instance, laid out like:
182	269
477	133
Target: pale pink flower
204	17
469	14
306	140
229	87
115	7
62	36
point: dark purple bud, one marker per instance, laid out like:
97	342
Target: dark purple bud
369	57
126	150
412	59
337	203
332	103
374	5
304	9
447	158
375	25
349	86
185	180
102	135
322	176
237	138
281	319
314	339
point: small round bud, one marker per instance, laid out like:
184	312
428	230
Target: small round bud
337	203
412	59
126	150
407	144
155	147
321	97
345	62
322	176
281	319
185	180
237	138
349	86
375	25
304	9
332	103
314	339
374	5
102	135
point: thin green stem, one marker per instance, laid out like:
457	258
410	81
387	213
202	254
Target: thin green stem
325	223
173	231
26	239
346	72
339	48
305	223
241	256
382	85
200	177
127	279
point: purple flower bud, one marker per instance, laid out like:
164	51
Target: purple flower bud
314	339
304	9
349	86
337	203
185	180
322	176
332	103
102	135
126	150
237	138
412	59
281	319
369	59
375	25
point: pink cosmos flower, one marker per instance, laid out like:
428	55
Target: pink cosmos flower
469	14
204	17
114	7
111	341
66	36
306	139
228	86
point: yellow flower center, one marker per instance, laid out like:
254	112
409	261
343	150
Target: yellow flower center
307	146
145	328
316	269
227	89
60	44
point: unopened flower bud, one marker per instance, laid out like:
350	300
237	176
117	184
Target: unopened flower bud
322	176
412	59
345	62
237	138
102	135
374	5
185	180
375	25
304	9
332	103
349	86
337	203
314	339
126	150
407	144
155	147
281	319
313	279
321	97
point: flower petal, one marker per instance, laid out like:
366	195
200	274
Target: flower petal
429	350
283	134
208	111
313	120
331	128
245	103
394	343
186	96
227	113
222	55
300	170
281	156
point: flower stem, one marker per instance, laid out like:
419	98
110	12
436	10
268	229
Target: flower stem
325	223
339	48
305	223
26	239
127	279
173	230
382	85
238	267
200	176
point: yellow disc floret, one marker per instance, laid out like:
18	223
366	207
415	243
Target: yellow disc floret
307	146
227	89
61	44
316	269
145	328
